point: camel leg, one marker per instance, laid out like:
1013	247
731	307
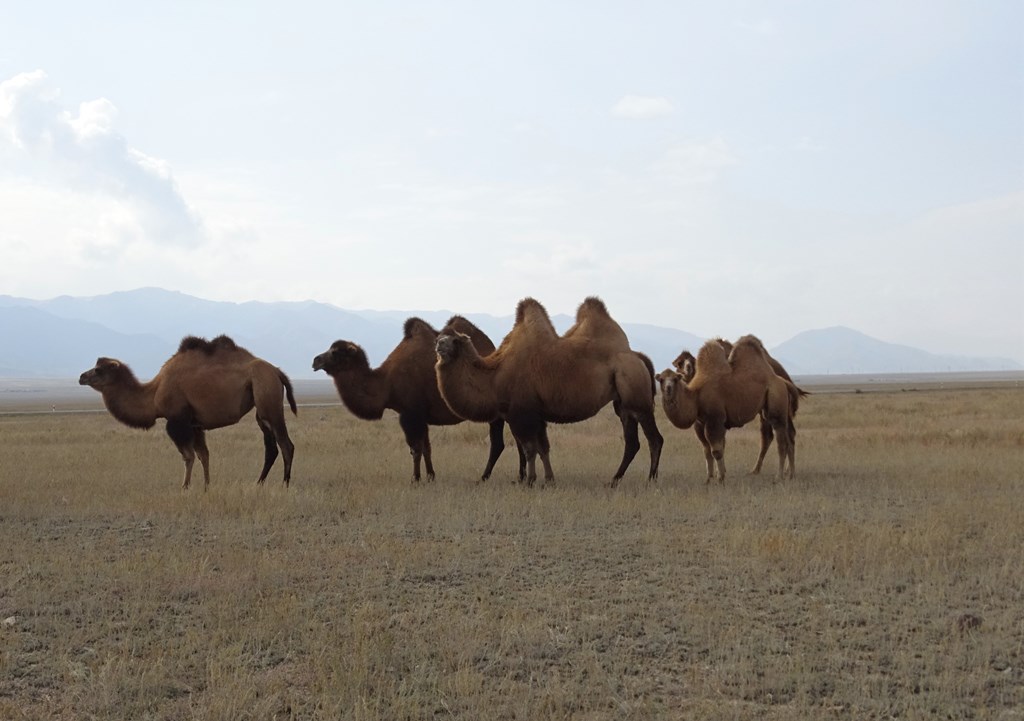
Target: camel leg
544	448
714	433
204	455
782	431
415	432
496	434
766	441
631	439
287	450
709	459
655	441
426	454
269	447
183	434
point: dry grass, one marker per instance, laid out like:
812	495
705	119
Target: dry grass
356	595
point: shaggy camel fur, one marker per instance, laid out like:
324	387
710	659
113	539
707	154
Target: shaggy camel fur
536	377
686	364
728	391
405	382
205	385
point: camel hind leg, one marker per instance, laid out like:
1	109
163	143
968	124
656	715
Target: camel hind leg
267	394
275	436
785	444
655	442
767	435
631	443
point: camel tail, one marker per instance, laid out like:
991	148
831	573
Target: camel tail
795	394
288	391
650	369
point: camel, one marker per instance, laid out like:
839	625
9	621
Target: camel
205	385
729	390
685	363
536	376
405	382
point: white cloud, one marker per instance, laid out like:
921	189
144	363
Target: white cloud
44	145
640	107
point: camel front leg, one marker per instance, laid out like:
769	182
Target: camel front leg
496	433
714	433
426	454
182	433
709	459
415	435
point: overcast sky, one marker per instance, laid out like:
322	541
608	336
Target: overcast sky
723	168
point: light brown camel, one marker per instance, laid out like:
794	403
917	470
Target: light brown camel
405	382
686	364
205	385
535	377
728	391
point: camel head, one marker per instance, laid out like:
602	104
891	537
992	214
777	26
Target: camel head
686	364
107	372
668	381
341	356
450	345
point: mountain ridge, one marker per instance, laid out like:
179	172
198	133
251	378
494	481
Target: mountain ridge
62	336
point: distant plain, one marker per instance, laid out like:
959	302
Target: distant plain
885	581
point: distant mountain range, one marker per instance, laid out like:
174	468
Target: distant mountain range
61	337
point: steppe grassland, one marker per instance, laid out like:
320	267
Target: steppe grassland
357	595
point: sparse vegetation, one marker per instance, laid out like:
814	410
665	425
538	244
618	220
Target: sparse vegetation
358	595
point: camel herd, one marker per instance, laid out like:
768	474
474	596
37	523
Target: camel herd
432	378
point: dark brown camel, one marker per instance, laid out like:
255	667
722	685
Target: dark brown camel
205	385
536	377
405	382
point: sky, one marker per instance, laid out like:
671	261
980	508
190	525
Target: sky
722	168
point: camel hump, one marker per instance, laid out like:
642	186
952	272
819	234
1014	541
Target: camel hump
209	347
712	358
592	305
530	311
461	324
417	326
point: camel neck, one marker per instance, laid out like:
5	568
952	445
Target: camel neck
682	409
468	389
133	403
365	392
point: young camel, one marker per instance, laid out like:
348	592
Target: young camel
405	382
686	364
728	391
536	377
205	385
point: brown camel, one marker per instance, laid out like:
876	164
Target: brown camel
686	364
405	382
535	377
728	391
205	385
